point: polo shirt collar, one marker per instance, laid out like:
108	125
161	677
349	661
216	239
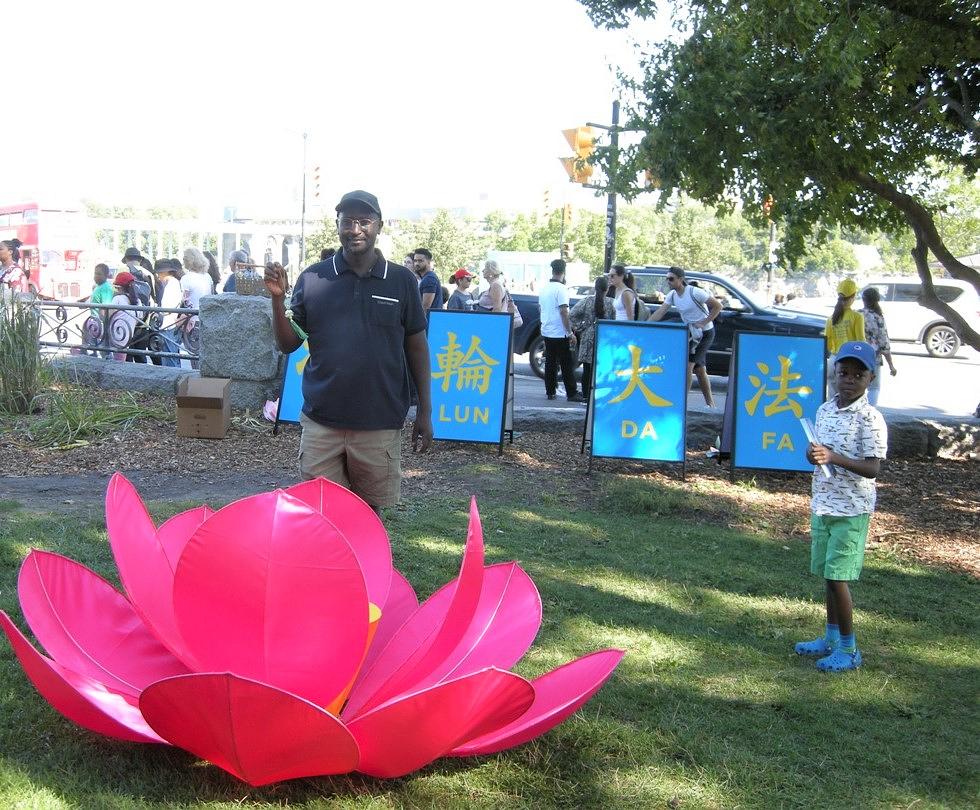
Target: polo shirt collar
860	402
379	270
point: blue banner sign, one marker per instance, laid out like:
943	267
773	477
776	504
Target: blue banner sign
291	398
469	355
640	391
777	379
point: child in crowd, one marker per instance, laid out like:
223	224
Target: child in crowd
852	437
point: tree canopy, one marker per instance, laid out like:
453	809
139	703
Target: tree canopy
826	113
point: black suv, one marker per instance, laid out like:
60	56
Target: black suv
739	313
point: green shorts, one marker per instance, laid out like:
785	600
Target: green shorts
837	545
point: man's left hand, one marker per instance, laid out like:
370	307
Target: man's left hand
422	433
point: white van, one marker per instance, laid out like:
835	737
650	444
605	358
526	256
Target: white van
908	320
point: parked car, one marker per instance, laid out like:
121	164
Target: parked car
740	313
906	318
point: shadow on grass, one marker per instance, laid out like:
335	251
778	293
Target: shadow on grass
710	705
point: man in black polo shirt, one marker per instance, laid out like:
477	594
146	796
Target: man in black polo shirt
366	330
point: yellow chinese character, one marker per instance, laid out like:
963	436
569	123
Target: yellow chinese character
781	400
302	363
635	382
471	370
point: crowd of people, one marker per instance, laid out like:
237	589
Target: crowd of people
168	283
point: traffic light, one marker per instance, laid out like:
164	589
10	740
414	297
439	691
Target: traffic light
316	182
582	142
567	250
767	206
547	202
566	214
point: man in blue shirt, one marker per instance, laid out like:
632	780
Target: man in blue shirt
366	333
429	287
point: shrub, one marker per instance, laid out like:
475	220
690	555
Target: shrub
20	356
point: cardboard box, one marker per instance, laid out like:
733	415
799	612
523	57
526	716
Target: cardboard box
203	407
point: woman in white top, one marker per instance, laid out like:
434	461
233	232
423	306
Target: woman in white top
197	281
624	299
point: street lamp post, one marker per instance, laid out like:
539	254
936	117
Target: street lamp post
302	218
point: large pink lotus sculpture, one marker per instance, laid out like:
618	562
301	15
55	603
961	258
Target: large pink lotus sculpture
274	639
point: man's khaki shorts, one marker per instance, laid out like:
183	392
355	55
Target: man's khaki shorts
367	462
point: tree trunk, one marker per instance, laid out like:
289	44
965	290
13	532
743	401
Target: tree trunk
920	254
927	239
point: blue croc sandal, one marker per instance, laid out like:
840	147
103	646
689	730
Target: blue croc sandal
840	661
815	648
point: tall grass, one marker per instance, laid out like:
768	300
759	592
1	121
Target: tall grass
20	356
74	414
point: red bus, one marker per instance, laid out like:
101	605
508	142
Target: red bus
53	248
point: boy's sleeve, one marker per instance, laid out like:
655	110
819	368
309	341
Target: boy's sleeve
874	436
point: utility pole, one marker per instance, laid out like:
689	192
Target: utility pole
302	218
579	171
611	202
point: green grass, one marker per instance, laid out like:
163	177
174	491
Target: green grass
709	708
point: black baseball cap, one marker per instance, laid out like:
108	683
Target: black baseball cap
359	198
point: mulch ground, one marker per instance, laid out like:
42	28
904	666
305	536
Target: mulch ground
928	509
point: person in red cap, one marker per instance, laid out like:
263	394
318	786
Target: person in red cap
363	319
461	299
123	323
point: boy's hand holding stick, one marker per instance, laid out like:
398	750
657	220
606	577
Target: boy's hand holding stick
815	448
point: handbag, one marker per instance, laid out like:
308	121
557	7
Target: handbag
514	311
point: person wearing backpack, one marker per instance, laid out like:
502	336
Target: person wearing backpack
143	279
698	309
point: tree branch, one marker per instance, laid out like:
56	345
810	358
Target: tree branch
920	255
921	221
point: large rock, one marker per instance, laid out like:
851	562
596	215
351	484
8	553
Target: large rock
237	339
112	374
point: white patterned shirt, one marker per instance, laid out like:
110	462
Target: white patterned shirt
859	432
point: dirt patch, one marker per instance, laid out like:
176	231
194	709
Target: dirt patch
927	509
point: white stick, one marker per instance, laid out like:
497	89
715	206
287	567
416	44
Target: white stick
811	436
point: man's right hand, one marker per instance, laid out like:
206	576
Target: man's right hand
275	280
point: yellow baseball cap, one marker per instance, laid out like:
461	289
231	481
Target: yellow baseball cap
847	288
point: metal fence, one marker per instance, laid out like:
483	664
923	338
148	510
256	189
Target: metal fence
166	336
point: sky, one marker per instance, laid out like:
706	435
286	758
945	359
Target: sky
426	104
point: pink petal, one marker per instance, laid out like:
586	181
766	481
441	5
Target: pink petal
507	619
81	699
174	533
418	647
402	603
254	731
411	731
88	627
361	527
557	694
144	568
267	588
